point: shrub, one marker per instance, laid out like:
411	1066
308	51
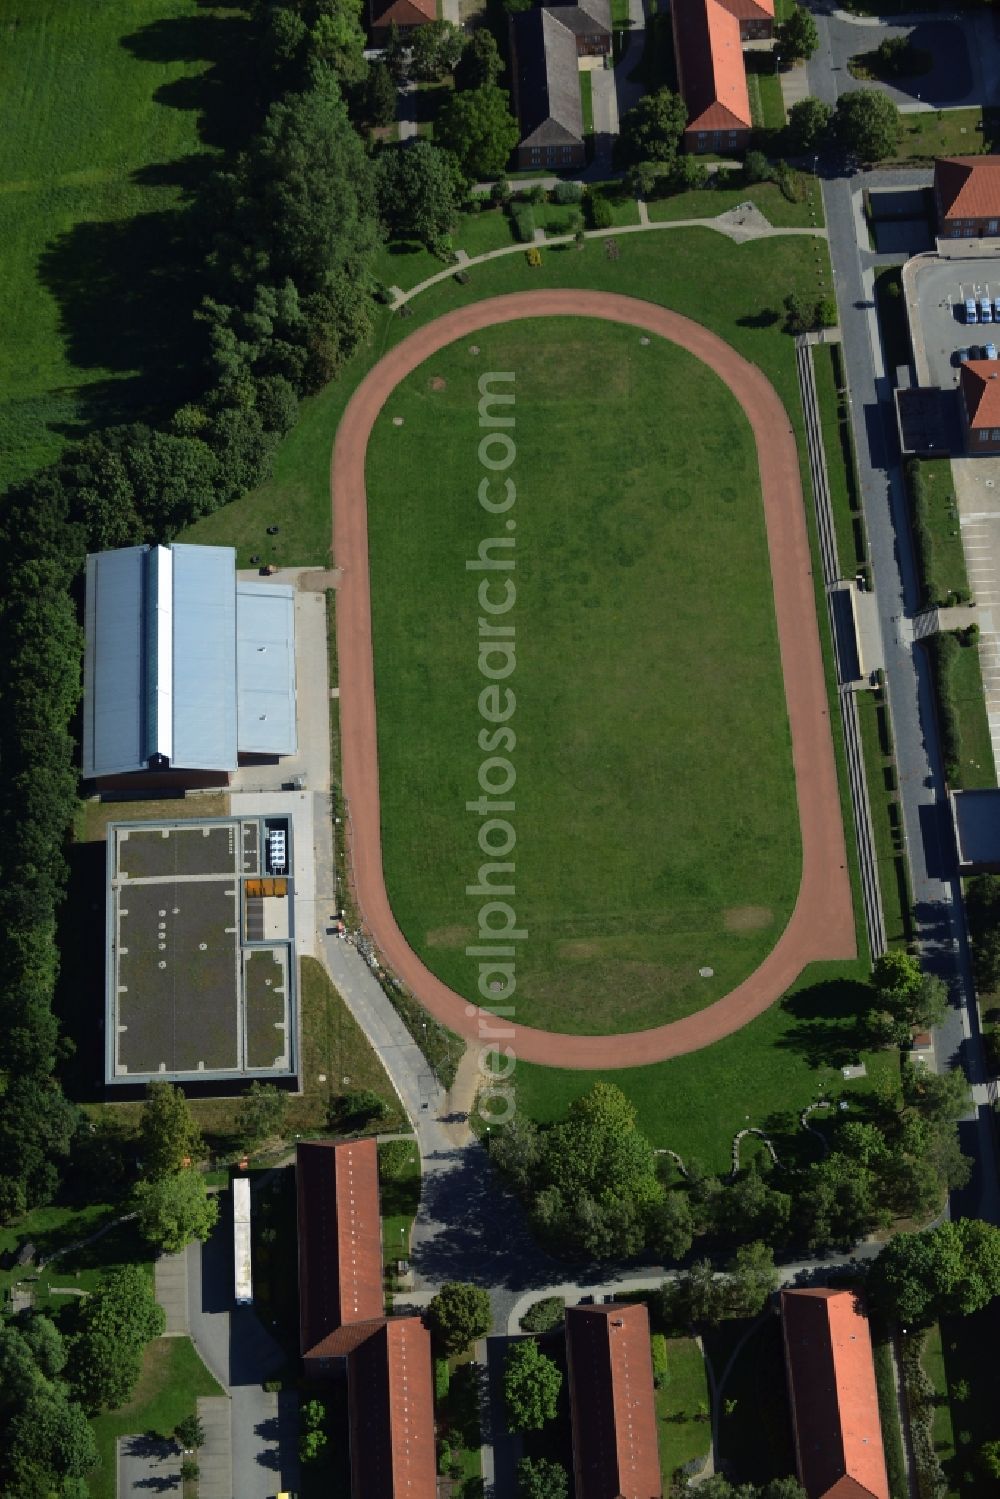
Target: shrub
444	1457
567	192
500	192
658	1346
537	194
273	1386
533	256
462	277
442	1379
545	1315
599	214
523	218
922	1400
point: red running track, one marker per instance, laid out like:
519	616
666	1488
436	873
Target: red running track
822	923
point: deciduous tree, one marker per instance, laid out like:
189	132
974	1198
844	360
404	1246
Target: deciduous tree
168	1135
477	126
809	124
174	1210
651	131
867	123
459	1314
531	1387
798	36
114	1324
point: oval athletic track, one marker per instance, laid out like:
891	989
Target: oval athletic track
822	923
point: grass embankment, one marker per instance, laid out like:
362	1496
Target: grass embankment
172	1379
105	112
709	202
587	101
937	533
944	1434
887	814
682	1409
966	746
841	464
627	879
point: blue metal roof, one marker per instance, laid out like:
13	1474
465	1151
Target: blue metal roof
160	659
265	645
204	665
113	663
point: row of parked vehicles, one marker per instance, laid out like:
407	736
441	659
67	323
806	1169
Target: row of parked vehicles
983	311
988	351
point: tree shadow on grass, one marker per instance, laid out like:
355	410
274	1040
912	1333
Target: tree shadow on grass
225	93
126	294
829	1027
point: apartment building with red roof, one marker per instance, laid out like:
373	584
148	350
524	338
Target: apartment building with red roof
711	75
967	196
756	18
391	1402
979	404
612	1409
831	1384
343	1326
402	13
340	1243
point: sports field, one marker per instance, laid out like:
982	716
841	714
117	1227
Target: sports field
107	112
656	819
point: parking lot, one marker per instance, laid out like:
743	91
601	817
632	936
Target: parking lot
935	294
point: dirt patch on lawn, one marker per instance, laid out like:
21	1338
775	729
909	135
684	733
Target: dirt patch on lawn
450	936
579	952
747	918
438	382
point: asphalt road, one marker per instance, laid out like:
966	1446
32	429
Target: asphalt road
930	844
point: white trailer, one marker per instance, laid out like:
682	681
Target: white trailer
241	1241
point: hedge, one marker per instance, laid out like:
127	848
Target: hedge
921	1397
943	650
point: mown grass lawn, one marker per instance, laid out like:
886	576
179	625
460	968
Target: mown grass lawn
946	563
172	1379
682	1408
755	1427
399	1178
763	1075
649	694
709	202
106	113
746	285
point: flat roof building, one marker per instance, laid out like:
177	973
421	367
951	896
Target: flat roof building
612	1407
185	670
831	1382
200	963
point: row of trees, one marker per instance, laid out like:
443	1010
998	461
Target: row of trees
595	1188
286	235
865	122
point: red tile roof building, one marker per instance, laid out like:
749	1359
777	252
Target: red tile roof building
391	1401
967	196
615	1449
340	1241
386	13
831	1382
756	17
390	1386
711	75
979	402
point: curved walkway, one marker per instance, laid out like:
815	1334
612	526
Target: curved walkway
822	924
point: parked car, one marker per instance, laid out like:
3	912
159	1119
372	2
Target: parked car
989	351
970	310
985	310
996	309
962	356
